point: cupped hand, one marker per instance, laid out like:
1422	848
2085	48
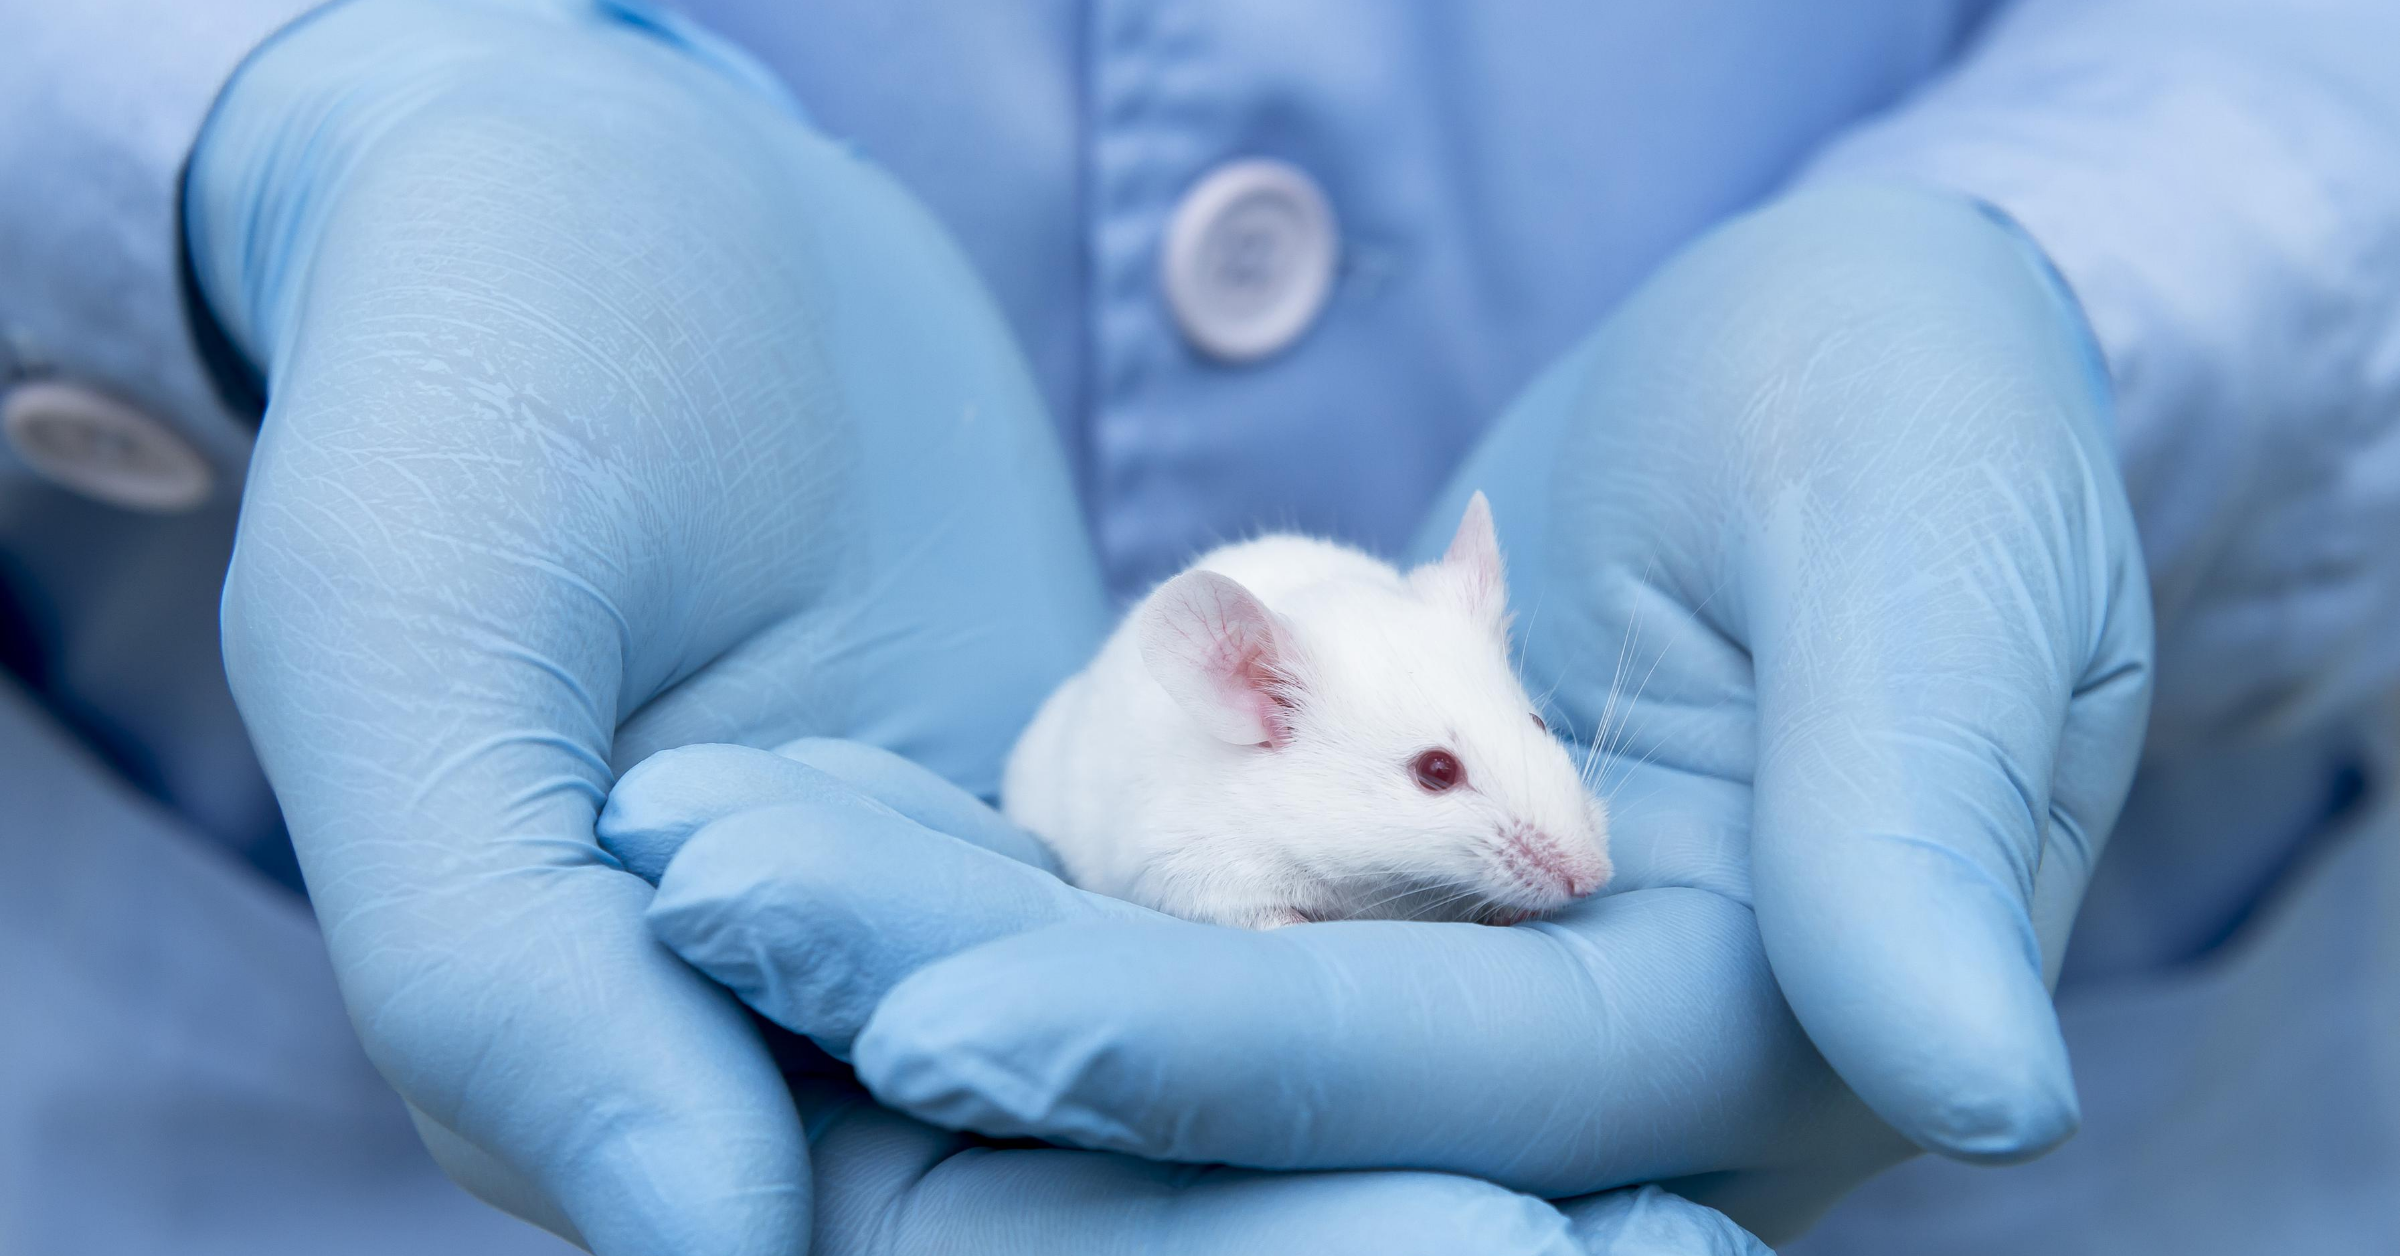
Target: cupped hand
1820	545
610	408
775	872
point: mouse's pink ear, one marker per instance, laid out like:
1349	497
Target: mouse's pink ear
1218	651
1471	573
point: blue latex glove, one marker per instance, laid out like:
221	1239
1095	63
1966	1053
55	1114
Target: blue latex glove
612	409
1821	539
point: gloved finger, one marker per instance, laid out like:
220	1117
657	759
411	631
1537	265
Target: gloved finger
886	1183
1647	1220
1922	677
659	803
1640	1034
813	908
1901	825
1910	824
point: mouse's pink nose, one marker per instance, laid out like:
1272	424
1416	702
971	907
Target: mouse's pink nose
1541	860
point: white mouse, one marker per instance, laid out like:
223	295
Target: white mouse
1292	730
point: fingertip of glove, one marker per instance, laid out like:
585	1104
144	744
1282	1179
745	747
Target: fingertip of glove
914	1058
1433	1213
2000	1120
648	814
659	803
642	850
959	1043
1917	972
1994	1087
956	1043
1650	1221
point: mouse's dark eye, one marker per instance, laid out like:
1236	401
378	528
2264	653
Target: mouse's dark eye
1538	721
1437	771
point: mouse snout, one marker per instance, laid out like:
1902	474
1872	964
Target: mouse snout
1549	866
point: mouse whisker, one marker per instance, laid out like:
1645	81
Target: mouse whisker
1624	729
1608	796
1430	910
1623	737
1616	678
1420	911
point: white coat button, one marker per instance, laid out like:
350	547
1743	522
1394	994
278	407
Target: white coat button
103	448
1249	259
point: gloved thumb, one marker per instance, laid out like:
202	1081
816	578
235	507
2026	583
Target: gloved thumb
1951	657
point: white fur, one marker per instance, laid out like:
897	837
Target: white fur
1185	796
